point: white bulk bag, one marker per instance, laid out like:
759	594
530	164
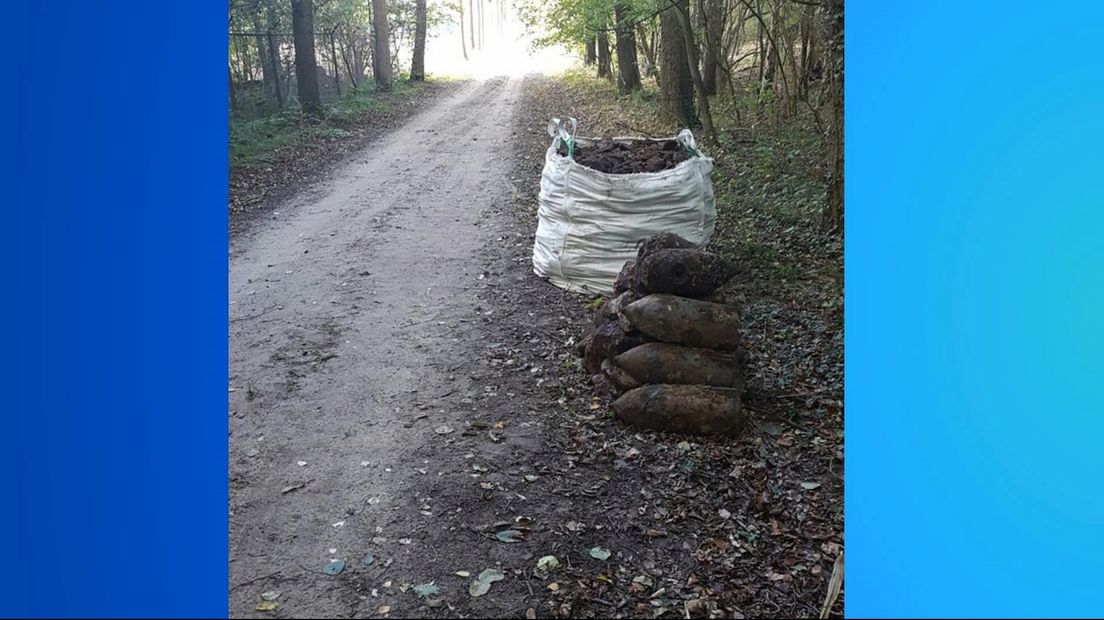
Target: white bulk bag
589	222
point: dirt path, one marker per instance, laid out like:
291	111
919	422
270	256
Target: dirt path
348	306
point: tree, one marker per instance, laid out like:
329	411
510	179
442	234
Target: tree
417	64
590	54
463	42
682	11
471	23
676	91
381	56
605	69
833	208
306	69
713	18
628	71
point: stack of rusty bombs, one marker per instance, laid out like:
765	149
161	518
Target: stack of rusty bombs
668	342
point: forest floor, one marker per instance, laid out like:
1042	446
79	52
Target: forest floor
405	398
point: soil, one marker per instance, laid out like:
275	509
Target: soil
629	157
401	383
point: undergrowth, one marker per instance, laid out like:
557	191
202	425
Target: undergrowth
259	142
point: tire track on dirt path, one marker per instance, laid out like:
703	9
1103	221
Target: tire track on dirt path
344	305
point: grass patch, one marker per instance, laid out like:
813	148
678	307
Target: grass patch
261	141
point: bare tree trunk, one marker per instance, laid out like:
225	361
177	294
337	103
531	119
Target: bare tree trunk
233	91
463	41
482	18
833	208
683	11
381	53
628	70
605	68
676	90
333	58
809	50
713	15
358	57
417	64
306	66
268	76
646	40
590	56
275	69
471	23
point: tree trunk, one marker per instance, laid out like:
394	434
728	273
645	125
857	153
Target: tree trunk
808	48
275	69
590	56
264	58
306	67
417	65
233	91
605	69
381	52
482	18
333	57
627	68
676	90
471	23
683	12
833	208
713	16
463	41
646	40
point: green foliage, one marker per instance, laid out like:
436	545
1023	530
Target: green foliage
573	22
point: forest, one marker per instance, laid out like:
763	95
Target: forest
715	64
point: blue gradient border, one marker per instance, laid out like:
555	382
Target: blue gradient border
975	309
113	382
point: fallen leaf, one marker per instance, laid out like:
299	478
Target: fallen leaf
462	573
334	567
267	605
553	586
809	486
383	609
531	614
478	588
547	563
271	595
443	429
426	589
510	536
491	575
599	553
